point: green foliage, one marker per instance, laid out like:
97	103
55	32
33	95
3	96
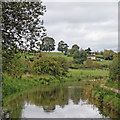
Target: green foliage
19	22
63	47
88	50
49	65
90	64
75	47
12	63
48	44
22	20
113	84
107	97
12	85
100	56
108	54
85	74
80	56
114	69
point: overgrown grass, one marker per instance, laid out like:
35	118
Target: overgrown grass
113	84
108	98
102	96
12	85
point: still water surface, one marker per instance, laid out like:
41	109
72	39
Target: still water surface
54	102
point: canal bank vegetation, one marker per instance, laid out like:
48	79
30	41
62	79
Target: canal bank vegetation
106	100
28	60
25	70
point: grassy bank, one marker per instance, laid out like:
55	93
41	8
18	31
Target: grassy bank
113	84
103	97
107	98
12	85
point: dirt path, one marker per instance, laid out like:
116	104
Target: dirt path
113	89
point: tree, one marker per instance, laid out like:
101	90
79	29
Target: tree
88	63
101	52
115	69
75	47
80	56
21	27
108	54
63	47
48	44
88	50
21	24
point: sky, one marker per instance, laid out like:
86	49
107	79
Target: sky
87	24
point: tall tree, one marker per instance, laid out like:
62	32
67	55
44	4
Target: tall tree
75	47
21	27
63	47
108	54
22	24
48	44
88	51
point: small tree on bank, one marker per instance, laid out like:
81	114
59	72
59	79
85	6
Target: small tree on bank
80	56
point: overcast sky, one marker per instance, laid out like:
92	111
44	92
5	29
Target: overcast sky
88	24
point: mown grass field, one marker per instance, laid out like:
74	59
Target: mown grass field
84	74
56	54
103	62
96	72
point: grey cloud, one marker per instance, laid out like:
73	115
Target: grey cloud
80	12
86	24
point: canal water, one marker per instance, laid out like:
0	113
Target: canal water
55	102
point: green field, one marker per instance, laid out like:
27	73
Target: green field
88	73
103	62
56	54
99	56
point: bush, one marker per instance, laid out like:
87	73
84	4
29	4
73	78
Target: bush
49	65
13	66
114	69
90	64
79	56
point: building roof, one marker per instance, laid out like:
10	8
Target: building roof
91	56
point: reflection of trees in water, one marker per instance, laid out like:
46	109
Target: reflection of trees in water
75	94
49	108
13	109
97	101
48	98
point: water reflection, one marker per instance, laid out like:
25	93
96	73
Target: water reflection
56	102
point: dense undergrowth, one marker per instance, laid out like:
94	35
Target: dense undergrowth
108	98
103	98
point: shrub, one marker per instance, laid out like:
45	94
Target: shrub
13	66
90	64
49	65
79	56
114	69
